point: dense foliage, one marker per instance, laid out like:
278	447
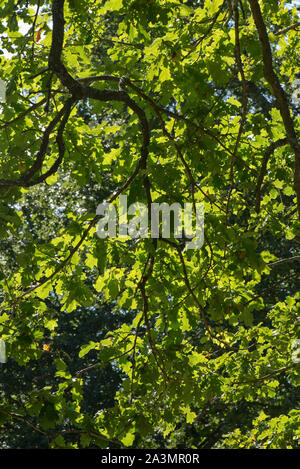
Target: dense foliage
140	342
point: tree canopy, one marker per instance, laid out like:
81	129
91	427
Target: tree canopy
138	341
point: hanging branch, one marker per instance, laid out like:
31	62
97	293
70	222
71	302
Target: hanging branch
60	143
26	179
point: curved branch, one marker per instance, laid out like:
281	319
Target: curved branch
54	61
25	179
278	92
79	91
61	145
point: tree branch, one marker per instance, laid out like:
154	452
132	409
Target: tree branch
263	170
284	261
285	30
25	179
279	93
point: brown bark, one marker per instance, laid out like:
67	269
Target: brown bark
278	92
